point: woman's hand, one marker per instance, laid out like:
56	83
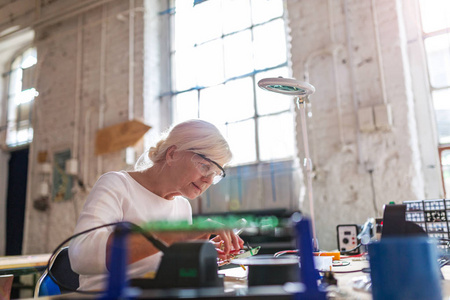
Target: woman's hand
227	242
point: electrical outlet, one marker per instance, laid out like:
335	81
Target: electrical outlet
347	238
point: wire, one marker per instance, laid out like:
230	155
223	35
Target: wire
133	227
351	250
159	244
353	256
278	254
443	261
353	271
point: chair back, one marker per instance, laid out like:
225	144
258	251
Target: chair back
6	282
67	279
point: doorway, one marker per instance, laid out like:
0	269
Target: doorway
15	200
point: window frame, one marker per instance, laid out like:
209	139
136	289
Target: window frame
440	146
168	101
10	95
441	149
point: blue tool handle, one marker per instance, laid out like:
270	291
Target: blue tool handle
308	273
117	281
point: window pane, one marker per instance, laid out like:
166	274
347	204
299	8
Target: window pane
207	19
241	138
185	106
24	112
213	104
239	99
209	63
11	134
11	110
29	58
23	135
238	54
236	15
15	82
264	10
438	56
445	161
441	101
183	25
276	136
184	69
435	14
269	44
227	103
268	102
25	96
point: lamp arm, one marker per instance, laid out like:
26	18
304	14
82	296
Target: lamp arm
307	164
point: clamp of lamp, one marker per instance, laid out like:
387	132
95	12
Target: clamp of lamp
301	91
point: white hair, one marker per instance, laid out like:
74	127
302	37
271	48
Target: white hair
193	135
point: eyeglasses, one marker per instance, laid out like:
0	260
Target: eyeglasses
208	167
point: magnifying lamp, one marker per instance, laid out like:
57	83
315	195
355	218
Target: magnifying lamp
301	90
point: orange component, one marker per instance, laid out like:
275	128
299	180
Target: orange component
336	255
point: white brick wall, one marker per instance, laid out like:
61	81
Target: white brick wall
348	161
104	68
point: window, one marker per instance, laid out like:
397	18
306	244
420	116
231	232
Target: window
220	49
436	33
21	95
444	154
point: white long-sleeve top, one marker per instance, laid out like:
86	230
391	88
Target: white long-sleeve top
117	197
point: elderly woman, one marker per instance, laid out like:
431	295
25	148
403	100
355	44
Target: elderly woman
183	164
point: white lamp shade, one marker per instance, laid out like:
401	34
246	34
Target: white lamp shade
286	86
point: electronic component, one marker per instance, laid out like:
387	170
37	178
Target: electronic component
347	238
240	254
335	255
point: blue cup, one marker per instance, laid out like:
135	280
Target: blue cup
405	268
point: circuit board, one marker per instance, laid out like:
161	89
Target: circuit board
240	254
431	215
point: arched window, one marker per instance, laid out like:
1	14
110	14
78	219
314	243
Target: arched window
21	94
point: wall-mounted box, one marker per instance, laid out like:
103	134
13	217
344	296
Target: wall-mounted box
366	119
383	116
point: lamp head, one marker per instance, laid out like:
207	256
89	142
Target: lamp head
287	86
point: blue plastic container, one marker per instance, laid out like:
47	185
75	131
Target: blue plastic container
405	268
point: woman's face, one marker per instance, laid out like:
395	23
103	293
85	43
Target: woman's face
194	174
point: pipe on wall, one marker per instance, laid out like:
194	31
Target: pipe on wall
352	85
131	62
87	142
378	48
102	100
130	153
335	50
332	51
79	67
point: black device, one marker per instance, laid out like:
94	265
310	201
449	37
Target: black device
395	223
185	265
